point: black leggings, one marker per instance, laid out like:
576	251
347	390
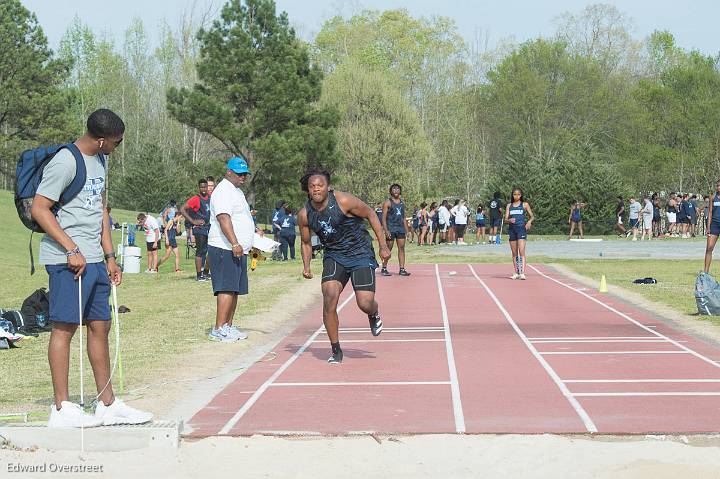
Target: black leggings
285	242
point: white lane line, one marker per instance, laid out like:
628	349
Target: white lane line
591	337
601	341
368	340
366	383
611	381
589	425
625	316
560	353
409	328
454	386
259	392
647	394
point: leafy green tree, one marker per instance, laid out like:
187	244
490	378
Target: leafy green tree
379	137
33	105
257	94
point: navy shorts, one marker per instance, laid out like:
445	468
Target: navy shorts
517	233
151	246
634	222
229	273
64	293
363	278
497	222
396	235
714	228
480	224
172	241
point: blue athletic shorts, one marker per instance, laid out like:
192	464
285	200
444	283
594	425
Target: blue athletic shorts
229	273
172	240
64	293
496	222
517	233
714	228
634	222
480	224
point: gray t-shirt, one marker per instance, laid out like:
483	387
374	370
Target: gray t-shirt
634	210
82	217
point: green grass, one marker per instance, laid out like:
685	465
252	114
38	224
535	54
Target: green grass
170	315
675	286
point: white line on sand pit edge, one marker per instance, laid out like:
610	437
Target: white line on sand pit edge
589	424
454	387
259	392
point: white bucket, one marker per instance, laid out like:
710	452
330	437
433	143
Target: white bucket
131	259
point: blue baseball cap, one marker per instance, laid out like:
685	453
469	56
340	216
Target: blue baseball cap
238	165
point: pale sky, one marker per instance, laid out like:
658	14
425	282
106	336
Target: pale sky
693	22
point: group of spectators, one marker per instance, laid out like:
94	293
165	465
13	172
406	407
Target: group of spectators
682	215
443	222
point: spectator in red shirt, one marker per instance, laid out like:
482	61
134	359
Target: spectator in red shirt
197	211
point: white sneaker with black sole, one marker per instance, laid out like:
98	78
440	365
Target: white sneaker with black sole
120	413
71	415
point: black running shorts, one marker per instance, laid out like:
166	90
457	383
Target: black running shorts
363	279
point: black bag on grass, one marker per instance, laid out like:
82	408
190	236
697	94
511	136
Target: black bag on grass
35	311
707	295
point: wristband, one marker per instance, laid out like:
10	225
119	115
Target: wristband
73	252
109	255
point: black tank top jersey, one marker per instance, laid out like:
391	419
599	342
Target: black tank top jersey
396	217
715	209
344	238
204	214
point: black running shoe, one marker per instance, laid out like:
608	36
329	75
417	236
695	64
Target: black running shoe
336	357
385	272
403	272
202	277
375	324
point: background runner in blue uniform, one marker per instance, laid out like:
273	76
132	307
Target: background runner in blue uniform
712	226
517	230
338	219
395	226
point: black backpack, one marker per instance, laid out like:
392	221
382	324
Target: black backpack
38	303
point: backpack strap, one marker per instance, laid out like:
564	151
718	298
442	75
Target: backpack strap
77	184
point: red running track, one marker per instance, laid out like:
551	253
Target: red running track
465	349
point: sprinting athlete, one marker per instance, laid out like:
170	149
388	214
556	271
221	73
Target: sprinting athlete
338	219
712	226
395	226
517	230
495	207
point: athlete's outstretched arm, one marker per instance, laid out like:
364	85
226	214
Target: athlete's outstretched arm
528	225
354	206
385	208
305	242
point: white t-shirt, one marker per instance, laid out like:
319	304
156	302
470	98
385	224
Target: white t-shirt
634	210
227	199
461	214
152	230
443	215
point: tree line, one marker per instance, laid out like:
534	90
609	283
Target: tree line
588	113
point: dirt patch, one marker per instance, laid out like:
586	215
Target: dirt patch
687	323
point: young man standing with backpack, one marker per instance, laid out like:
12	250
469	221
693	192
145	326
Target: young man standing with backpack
77	252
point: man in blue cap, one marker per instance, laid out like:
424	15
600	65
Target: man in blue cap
229	241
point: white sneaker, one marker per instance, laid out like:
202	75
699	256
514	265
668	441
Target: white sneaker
515	276
120	413
522	276
71	415
234	332
221	335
